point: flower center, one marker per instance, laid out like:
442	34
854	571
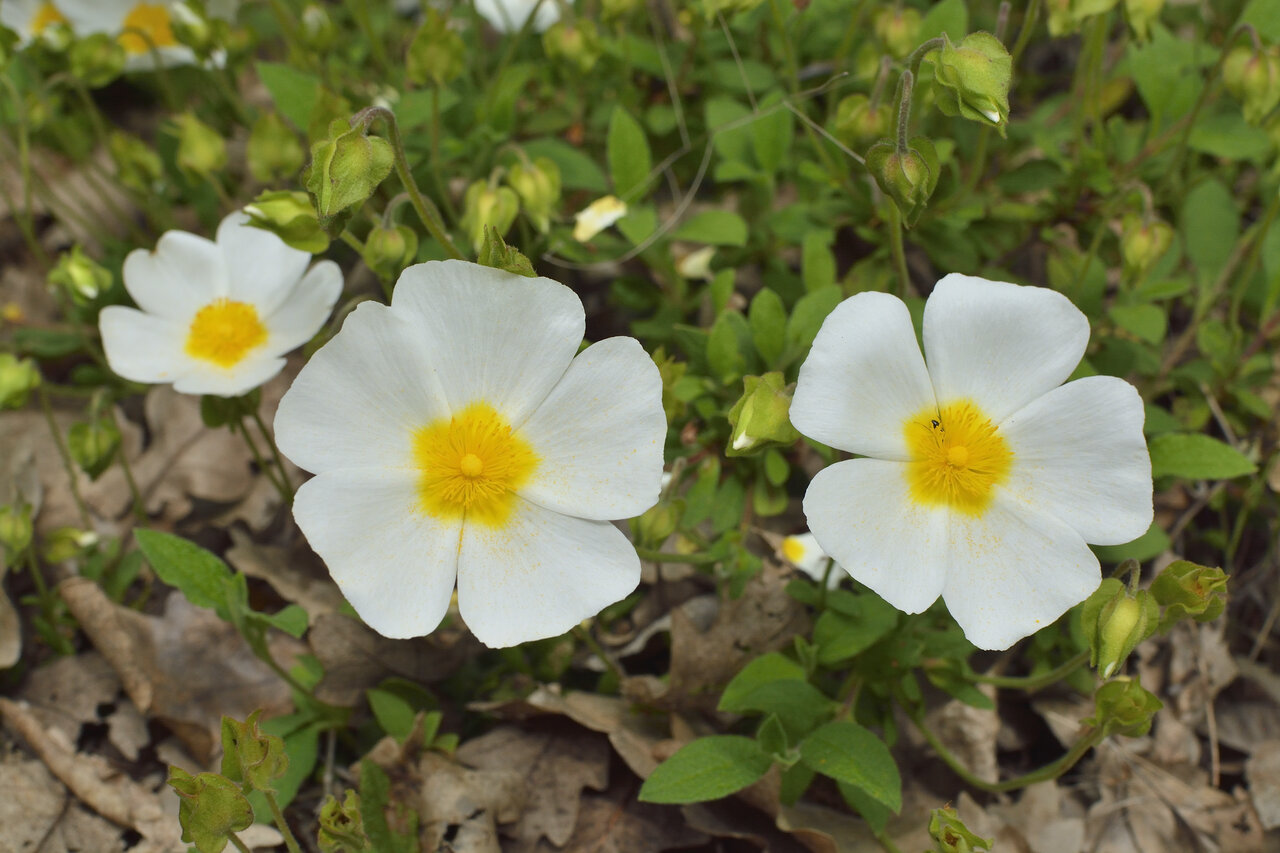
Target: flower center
793	549
224	331
47	15
471	465
146	26
957	457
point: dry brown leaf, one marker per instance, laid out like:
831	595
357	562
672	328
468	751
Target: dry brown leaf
70	693
10	627
824	830
38	814
295	573
969	733
1263	772
731	818
32	468
1048	819
615	822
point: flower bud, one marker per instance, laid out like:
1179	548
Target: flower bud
291	217
1142	14
201	150
907	177
576	44
484	205
437	54
316	28
15	528
858	123
138	167
760	419
192	27
658	522
672	371
1186	589
66	543
1253	77
597	216
96	60
18	378
81	277
950	835
1115	623
345	170
341	827
538	185
388	250
250	756
93	445
274	151
972	79
495	252
210	808
1122	706
1142	243
898	29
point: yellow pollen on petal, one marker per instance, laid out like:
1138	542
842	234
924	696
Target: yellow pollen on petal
224	332
793	549
471	465
957	457
146	26
46	16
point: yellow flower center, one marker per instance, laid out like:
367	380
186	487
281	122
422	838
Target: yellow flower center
224	331
793	549
471	465
47	15
146	26
957	457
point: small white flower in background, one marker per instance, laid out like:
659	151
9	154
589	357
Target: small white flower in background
803	551
697	264
144	30
30	18
455	435
986	475
216	317
597	216
508	16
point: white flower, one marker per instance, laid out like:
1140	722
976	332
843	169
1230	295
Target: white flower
216	318
454	435
697	264
144	29
30	18
508	16
985	478
597	216
803	551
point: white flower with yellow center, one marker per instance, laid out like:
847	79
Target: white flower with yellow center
216	317
508	16
30	18
144	29
803	551
985	475
455	436
597	216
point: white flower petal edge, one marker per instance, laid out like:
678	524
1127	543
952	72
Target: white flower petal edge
395	566
205	378
863	517
359	399
508	16
541	574
487	337
262	269
305	307
863	378
998	344
142	347
182	275
599	435
1013	571
1081	458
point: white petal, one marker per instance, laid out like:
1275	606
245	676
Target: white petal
305	308
144	348
207	378
999	344
863	378
540	574
180	276
490	335
803	551
508	16
862	515
262	269
1079	456
358	400
1014	571
599	435
395	565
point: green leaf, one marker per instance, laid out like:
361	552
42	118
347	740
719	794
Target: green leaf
295	92
1150	544
818	263
204	579
577	170
1166	73
706	769
1263	16
46	343
716	227
768	319
1230	137
848	753
771	135
415	108
1197	457
1210	227
726	346
771	666
291	619
949	16
876	814
840	636
1148	322
629	157
397	833
799	704
393	712
807	316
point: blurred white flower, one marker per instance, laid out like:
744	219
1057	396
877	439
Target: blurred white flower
508	16
803	551
30	18
597	216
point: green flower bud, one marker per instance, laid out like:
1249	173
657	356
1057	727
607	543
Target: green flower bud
138	167
191	26
658	522
1186	589
672	371
57	36
1115	623
950	835
437	55
388	250
251	757
96	60
66	543
15	528
538	185
972	79
576	45
1122	706
210	808
484	205
495	252
908	178
218	411
1142	14
1253	77
898	29
79	276
201	150
291	217
18	378
274	151
93	445
1142	243
760	419
316	28
857	123
341	827
345	170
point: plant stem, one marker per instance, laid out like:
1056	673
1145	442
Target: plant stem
67	464
278	816
1032	683
897	249
139	506
240	845
262	462
592	643
275	454
1029	21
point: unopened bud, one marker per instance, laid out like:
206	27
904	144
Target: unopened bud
575	44
345	170
898	29
210	808
494	252
1253	77
437	55
18	378
1142	14
93	445
1115	622
341	828
658	522
79	276
66	543
1185	589
761	417
250	756
1122	706
96	60
857	122
972	78
950	835
137	164
485	205
274	151
291	217
1142	242
908	177
16	528
201	150
538	185
388	250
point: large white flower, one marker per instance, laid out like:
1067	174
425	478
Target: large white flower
216	318
454	435
508	16
30	18
986	476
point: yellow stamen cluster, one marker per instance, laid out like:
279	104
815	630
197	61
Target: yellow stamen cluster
793	549
471	465
957	457
224	332
146	26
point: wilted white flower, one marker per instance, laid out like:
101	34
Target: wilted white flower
597	216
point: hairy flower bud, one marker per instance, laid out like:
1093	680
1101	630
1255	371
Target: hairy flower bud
201	150
345	170
538	185
576	45
1123	706
1253	77
760	419
437	54
291	217
96	60
79	276
16	528
389	249
495	207
1115	622
972	79
950	835
93	445
908	177
858	123
138	166
210	808
1143	242
1186	589
898	28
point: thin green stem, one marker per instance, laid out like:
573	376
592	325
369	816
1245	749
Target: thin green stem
898	250
788	52
917	56
278	816
67	465
262	462
1029	21
887	843
360	10
592	643
275	454
978	165
655	556
139	506
240	845
1032	683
